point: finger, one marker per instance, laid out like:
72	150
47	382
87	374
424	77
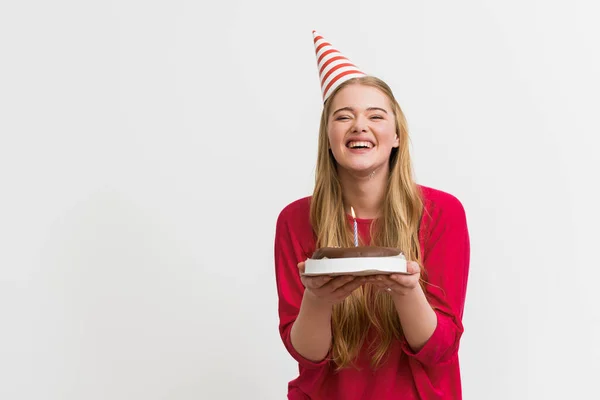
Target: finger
301	267
405	280
386	286
381	285
385	281
338	282
349	287
317	281
312	282
380	279
413	267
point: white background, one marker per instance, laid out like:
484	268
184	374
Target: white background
147	148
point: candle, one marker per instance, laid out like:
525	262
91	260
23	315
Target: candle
355	227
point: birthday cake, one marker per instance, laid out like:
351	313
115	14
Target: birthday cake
360	260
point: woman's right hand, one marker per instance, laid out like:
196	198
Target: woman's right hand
330	289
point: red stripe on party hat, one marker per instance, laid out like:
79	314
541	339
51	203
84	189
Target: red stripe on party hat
334	68
325	54
332	59
323	44
339	79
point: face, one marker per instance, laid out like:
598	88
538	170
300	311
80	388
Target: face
361	129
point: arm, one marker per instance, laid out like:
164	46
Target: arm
311	332
417	318
305	303
432	320
304	324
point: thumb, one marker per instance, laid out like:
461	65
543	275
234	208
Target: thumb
413	267
301	267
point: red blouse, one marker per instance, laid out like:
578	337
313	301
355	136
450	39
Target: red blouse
431	373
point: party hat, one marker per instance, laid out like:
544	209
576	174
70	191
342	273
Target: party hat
334	68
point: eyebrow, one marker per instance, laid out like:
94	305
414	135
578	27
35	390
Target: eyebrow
352	110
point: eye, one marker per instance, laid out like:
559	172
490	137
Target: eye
376	117
342	118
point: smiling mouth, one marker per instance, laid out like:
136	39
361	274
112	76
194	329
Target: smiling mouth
359	145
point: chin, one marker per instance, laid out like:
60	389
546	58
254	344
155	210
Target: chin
360	169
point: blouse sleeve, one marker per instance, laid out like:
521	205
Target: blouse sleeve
290	290
446	263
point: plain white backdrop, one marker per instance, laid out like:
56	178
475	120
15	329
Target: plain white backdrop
147	148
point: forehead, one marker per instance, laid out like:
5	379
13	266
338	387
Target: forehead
360	97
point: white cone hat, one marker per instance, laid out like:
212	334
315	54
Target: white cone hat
334	68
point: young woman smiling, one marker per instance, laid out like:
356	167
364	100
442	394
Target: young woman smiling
383	336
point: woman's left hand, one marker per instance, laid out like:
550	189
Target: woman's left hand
401	284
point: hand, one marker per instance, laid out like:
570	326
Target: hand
330	289
400	284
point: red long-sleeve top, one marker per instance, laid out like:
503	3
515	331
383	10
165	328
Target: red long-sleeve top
432	372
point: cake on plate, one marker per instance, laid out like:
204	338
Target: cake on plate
360	260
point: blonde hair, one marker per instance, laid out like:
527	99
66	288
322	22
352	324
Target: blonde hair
397	227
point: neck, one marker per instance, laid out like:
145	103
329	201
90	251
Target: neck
364	192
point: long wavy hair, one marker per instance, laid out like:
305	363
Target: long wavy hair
397	227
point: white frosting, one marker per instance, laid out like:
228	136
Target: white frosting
356	265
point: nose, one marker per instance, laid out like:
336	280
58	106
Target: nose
360	124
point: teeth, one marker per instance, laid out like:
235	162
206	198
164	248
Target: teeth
353	145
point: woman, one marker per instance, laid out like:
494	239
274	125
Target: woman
375	337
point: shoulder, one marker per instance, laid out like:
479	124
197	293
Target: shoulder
294	228
440	199
441	205
295	209
295	215
443	229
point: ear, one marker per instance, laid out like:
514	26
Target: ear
397	141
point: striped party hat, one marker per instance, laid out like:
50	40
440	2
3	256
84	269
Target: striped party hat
334	68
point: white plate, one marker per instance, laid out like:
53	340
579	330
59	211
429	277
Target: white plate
356	266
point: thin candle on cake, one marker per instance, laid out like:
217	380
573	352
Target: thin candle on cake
355	227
